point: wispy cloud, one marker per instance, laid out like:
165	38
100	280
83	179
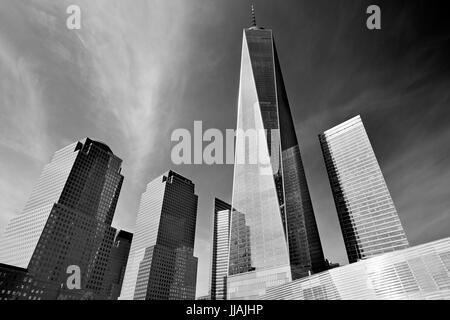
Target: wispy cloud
130	71
139	69
120	79
23	117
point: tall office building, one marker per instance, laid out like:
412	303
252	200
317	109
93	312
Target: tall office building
367	215
220	244
280	239
67	220
161	264
117	263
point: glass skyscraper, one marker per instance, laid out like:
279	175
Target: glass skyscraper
367	215
219	263
67	221
118	262
161	264
274	236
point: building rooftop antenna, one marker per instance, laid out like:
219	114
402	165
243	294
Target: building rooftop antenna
253	17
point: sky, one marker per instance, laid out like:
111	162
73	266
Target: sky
138	70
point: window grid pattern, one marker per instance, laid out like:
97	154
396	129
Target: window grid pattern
220	247
161	264
257	235
67	220
273	223
369	221
417	273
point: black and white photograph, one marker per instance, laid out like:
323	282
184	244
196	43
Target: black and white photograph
225	153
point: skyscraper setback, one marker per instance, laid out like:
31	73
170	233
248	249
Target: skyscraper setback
161	264
369	221
274	236
67	220
221	239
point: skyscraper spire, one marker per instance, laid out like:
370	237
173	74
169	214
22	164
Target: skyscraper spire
273	230
253	17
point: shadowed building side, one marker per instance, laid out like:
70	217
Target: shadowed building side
117	262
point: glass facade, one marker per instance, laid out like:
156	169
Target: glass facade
161	264
17	284
67	220
417	273
118	262
221	236
274	236
367	215
23	232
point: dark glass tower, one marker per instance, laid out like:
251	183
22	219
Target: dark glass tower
161	264
221	237
280	239
118	262
67	221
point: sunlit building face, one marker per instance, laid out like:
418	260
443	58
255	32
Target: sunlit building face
274	236
161	264
67	220
416	273
220	247
367	215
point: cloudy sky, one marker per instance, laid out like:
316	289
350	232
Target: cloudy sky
137	70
